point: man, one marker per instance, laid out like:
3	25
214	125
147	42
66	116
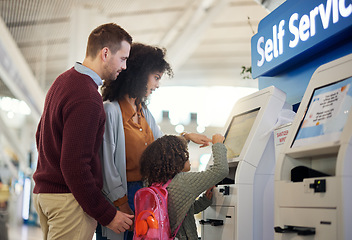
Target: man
68	179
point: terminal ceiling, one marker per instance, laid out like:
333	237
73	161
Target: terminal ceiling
207	41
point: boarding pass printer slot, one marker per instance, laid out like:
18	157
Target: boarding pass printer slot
304	231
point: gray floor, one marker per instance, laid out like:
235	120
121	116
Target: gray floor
16	229
25	232
19	231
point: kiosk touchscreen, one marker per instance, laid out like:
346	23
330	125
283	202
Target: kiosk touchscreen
238	131
243	203
313	178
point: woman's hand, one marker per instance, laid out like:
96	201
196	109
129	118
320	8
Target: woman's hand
198	138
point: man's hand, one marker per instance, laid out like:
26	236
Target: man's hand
126	209
121	222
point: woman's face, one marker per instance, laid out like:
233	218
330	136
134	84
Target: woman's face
153	82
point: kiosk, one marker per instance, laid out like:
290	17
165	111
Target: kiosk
243	203
313	177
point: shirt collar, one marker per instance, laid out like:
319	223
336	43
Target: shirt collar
128	110
87	71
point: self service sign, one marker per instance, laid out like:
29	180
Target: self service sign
296	30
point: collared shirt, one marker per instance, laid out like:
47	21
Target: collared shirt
87	71
137	137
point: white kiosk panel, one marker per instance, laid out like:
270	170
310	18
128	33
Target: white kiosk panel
239	198
313	176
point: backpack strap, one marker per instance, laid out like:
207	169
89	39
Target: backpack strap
176	230
160	185
167	183
161	189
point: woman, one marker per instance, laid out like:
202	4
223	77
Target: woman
130	128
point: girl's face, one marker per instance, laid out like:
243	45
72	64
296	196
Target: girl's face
187	166
153	82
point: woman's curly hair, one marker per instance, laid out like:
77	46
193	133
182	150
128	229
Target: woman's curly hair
142	61
163	159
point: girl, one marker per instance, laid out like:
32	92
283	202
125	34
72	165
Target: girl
168	158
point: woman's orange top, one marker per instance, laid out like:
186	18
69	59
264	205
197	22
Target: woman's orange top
137	137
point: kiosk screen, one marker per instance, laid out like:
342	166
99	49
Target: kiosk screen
326	114
238	131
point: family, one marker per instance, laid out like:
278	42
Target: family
95	150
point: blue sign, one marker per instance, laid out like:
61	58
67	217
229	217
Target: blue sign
296	30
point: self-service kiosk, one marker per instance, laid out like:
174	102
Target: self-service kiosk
313	175
243	202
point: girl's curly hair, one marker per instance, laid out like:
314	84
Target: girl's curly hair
142	61
163	159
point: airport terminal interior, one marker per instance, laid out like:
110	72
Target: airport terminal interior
272	76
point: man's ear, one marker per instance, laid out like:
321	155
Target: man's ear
104	53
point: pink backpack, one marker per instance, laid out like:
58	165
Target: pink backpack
152	218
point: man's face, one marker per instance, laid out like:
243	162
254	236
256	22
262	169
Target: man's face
115	63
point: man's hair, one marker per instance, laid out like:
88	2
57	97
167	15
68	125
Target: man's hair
142	61
163	159
108	35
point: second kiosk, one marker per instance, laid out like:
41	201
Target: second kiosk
243	203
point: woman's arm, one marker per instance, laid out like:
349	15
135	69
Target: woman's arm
197	138
157	133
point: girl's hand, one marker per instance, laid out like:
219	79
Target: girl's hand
218	138
209	193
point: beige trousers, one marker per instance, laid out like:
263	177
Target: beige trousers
61	217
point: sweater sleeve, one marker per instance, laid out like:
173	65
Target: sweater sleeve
79	154
186	187
201	204
113	184
157	133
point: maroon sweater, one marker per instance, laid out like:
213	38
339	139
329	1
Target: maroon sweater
68	137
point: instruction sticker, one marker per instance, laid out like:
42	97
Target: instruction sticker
326	115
